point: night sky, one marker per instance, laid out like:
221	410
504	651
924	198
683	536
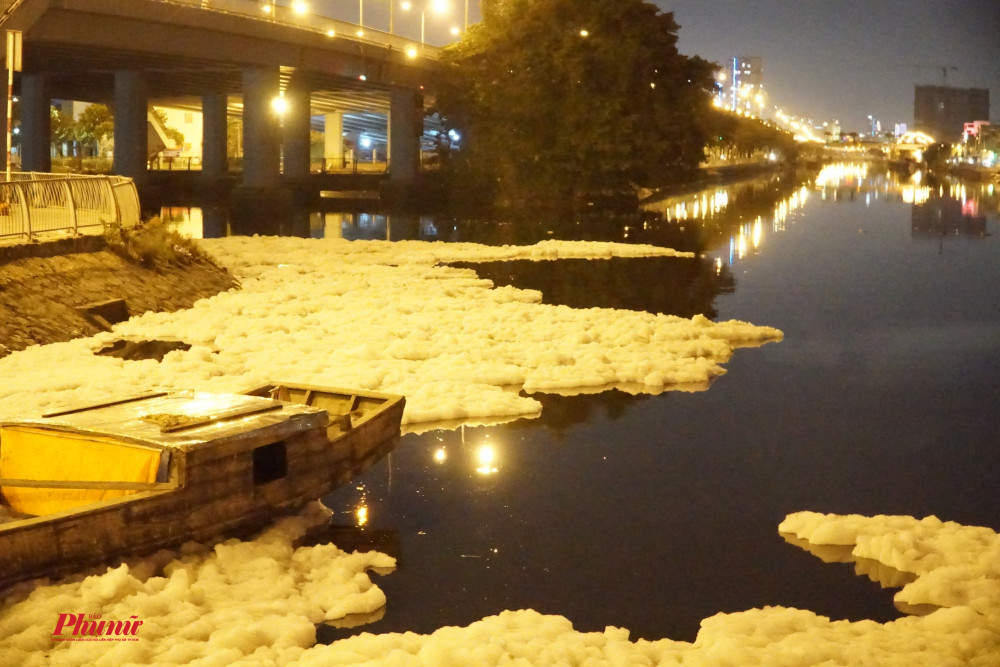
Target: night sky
824	59
846	59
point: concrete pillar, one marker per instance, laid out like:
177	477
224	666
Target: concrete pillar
36	124
214	163
333	140
261	128
131	124
296	131
3	137
333	225
406	125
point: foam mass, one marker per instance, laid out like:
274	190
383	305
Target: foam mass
256	602
390	317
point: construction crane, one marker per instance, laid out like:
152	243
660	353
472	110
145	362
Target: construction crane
944	70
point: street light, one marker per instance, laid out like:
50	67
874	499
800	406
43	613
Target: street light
436	6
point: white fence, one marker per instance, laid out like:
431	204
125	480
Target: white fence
33	203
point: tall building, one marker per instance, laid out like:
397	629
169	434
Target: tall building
942	111
747	79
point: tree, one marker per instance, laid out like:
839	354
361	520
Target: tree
556	99
736	136
63	129
173	134
95	125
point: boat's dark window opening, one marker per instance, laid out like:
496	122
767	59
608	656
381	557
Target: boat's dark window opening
270	462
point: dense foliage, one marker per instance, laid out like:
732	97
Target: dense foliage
94	125
556	100
738	137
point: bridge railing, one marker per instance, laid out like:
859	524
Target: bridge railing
32	203
333	28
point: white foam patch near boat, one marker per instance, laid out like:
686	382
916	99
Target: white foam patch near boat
256	602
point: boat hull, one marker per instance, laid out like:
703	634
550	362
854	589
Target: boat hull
220	489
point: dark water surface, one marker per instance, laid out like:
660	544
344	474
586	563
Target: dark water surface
653	512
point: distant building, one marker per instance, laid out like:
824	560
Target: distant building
989	137
71	108
942	111
972	129
832	131
986	148
747	82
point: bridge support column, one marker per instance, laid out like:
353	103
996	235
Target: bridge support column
297	127
260	204
36	124
131	125
333	140
406	125
3	137
214	163
261	128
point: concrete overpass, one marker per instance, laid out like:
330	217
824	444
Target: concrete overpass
227	57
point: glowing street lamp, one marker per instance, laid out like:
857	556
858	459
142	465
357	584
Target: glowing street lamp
436	6
360	32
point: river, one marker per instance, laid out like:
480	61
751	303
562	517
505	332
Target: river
653	512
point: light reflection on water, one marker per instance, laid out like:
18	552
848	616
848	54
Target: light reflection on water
213	222
737	216
653	512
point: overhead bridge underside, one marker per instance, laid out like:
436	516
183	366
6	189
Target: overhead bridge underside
178	53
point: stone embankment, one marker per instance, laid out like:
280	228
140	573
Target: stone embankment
45	288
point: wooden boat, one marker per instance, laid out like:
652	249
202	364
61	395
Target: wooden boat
86	485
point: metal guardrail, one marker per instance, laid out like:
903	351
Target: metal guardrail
287	16
7	6
33	203
342	165
317	23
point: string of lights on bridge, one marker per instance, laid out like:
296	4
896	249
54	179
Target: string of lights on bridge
301	13
750	101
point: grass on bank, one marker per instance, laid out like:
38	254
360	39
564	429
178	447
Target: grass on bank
153	244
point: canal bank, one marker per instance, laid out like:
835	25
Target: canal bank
50	291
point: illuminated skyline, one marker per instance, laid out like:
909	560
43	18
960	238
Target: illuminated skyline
846	59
